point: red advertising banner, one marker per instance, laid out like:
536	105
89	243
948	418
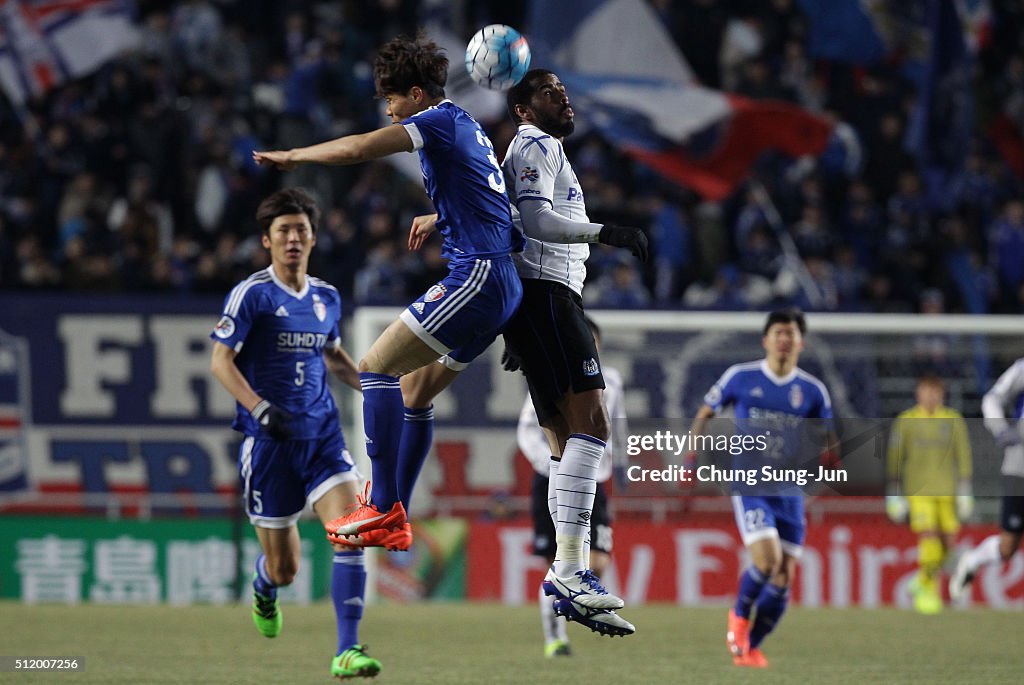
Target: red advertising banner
867	563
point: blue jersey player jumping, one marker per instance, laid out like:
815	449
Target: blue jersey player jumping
766	396
457	318
274	345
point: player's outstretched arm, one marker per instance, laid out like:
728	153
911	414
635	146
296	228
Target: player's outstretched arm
353	149
342	366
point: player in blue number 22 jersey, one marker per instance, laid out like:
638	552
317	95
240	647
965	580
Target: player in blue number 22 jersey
769	397
456	319
274	344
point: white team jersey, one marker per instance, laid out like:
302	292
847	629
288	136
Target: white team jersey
1008	391
536	170
534	445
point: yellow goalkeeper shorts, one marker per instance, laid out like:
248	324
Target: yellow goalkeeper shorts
933	514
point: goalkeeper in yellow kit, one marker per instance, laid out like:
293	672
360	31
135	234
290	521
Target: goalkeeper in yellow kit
929	474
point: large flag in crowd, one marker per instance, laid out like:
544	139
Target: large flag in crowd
44	43
631	82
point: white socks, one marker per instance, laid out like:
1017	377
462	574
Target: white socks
575	485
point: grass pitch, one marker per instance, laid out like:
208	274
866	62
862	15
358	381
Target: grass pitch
456	644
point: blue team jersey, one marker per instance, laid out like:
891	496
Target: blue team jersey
766	404
465	183
280	336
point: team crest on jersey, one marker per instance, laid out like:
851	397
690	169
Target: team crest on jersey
319	308
435	293
796	397
225	328
529	174
591	367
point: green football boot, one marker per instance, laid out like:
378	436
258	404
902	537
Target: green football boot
354	663
266	614
557	648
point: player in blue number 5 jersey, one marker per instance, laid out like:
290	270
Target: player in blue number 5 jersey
768	396
456	319
274	344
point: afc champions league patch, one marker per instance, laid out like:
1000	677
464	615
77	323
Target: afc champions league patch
529	174
319	308
435	293
225	328
796	396
591	367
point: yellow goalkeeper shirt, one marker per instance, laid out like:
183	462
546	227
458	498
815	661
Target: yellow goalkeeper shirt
929	453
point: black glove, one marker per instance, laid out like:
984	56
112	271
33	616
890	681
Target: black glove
624	236
509	361
273	421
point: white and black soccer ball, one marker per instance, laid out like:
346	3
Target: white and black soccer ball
497	57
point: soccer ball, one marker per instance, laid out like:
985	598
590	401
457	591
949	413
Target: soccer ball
497	57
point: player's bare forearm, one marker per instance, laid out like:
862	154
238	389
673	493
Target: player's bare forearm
224	369
343	367
353	149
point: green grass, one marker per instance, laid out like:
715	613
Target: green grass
455	644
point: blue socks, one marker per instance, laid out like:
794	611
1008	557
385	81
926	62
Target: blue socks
382	421
348	586
771	604
262	583
751	583
417	434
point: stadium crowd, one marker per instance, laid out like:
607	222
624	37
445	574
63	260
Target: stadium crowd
140	178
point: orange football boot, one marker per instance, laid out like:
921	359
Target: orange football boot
738	635
366	516
392	540
752	659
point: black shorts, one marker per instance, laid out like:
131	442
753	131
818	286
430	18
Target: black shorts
544	527
1011	519
554	345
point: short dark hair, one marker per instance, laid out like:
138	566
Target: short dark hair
287	201
793	315
522	92
402	63
933	379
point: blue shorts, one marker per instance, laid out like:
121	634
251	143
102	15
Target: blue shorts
280	476
763	517
462	315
